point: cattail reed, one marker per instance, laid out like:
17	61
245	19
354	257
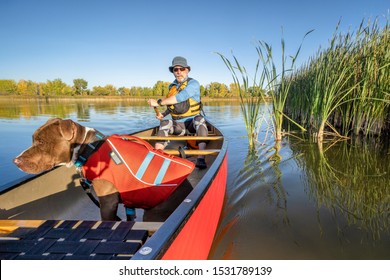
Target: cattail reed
345	88
251	96
267	82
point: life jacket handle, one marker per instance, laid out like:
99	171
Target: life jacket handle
135	139
144	143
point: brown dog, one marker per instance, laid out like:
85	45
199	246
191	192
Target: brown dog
58	142
64	142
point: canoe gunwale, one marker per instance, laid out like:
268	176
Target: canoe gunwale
18	182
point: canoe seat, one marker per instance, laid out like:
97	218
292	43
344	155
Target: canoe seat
74	240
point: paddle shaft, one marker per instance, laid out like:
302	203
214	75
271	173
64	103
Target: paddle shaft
157	111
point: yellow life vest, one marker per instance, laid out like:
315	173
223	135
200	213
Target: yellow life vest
187	108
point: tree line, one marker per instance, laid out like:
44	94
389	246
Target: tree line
57	87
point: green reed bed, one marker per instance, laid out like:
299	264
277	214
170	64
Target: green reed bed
269	83
277	83
345	87
251	95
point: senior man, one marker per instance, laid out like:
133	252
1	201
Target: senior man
184	105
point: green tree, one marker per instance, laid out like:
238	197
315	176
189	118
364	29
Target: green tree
111	90
108	90
124	91
136	91
98	90
54	88
160	88
212	89
80	87
223	90
234	90
202	90
8	87
27	88
67	90
146	91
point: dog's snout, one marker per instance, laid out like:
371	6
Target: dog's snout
17	161
20	162
25	165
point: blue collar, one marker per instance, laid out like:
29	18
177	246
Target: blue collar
88	149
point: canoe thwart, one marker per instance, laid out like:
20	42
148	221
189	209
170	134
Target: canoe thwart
181	138
194	152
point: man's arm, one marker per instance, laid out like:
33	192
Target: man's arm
166	101
192	90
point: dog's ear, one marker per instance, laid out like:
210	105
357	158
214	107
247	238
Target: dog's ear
68	129
53	120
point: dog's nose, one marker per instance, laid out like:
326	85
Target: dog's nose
17	161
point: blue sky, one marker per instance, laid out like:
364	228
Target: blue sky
132	43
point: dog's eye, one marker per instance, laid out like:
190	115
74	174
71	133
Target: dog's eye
39	142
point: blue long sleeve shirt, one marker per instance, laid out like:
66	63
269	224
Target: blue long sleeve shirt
192	90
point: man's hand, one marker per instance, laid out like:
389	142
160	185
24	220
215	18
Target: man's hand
153	103
159	116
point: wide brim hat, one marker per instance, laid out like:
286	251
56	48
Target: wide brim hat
179	61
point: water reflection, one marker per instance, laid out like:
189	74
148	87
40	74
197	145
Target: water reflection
296	201
350	178
15	108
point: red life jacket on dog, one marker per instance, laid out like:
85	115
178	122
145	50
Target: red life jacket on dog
143	175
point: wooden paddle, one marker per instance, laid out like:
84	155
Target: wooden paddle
157	111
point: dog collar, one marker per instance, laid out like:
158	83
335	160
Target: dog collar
88	149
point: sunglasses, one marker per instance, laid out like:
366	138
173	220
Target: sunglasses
179	68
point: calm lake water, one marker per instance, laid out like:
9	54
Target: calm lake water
294	200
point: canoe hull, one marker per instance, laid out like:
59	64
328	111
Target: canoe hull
195	239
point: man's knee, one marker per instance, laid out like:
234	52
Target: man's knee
199	118
165	124
166	128
200	126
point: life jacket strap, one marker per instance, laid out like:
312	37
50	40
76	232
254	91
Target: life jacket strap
86	185
88	149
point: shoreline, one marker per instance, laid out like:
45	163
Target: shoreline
106	98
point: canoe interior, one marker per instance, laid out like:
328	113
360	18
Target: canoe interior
58	195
